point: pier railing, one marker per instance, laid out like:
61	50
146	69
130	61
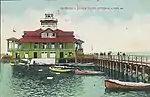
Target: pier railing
141	60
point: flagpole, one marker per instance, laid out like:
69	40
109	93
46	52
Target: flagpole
92	48
14	46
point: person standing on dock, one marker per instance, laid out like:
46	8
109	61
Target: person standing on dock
123	54
104	53
118	54
110	54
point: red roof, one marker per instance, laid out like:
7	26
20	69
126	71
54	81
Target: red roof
32	33
35	36
59	33
59	40
12	38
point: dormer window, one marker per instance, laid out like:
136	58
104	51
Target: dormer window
44	35
48	34
53	34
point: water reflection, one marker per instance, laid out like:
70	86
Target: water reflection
126	93
5	79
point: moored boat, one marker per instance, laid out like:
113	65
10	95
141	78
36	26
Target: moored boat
61	70
116	84
64	67
88	72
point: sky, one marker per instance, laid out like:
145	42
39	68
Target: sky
116	25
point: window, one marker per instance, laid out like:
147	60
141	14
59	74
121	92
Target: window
70	53
44	35
53	34
44	46
53	45
35	45
10	45
26	55
20	46
60	45
16	45
43	23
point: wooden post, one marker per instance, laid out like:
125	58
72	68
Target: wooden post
117	70
125	66
148	72
102	64
113	69
120	65
143	73
107	67
136	71
131	69
125	71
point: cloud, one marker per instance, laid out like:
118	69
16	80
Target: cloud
118	35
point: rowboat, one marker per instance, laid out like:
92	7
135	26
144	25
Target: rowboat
64	67
88	72
58	69
116	84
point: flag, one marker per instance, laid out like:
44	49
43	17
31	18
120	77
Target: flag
14	30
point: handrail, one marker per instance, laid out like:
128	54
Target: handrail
127	58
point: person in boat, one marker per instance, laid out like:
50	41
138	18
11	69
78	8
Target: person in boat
34	62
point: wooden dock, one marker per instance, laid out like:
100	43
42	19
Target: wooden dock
127	67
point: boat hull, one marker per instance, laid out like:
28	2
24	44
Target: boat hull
60	70
112	85
85	72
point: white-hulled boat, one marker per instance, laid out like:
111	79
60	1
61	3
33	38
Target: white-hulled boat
61	70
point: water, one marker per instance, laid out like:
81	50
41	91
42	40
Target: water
27	82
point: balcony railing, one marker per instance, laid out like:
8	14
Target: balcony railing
22	49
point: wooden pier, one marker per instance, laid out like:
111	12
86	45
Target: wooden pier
127	67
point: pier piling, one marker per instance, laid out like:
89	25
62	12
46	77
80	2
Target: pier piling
125	67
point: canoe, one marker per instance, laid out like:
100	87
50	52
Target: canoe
64	67
61	70
116	84
87	72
